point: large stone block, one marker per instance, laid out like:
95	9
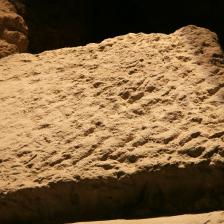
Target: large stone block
129	127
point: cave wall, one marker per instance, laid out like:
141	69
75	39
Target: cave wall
56	24
13	30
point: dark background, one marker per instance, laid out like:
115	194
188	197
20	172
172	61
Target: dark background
62	23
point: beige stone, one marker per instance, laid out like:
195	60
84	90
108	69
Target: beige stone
132	126
211	218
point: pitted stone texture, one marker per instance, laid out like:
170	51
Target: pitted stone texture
13	30
130	126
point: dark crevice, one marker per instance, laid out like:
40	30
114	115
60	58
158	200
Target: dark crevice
59	23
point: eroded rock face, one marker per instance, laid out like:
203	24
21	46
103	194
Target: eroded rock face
13	30
132	126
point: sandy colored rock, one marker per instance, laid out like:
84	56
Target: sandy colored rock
211	218
13	30
132	126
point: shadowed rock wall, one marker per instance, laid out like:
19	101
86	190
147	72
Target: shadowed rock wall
56	24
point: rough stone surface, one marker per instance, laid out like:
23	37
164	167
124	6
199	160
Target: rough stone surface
13	30
132	126
207	218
